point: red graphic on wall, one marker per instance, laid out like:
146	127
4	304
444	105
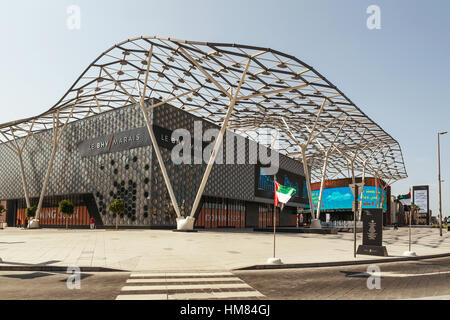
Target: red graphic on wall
52	217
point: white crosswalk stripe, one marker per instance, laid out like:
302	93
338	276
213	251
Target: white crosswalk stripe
230	279
186	286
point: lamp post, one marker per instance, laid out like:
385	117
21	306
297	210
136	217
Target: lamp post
439	177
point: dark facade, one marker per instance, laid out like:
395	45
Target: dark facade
109	156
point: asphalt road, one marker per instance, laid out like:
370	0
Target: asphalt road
41	285
404	280
401	280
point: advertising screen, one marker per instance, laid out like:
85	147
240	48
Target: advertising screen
420	198
342	198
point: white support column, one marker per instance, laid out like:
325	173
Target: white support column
24	181
308	187
315	223
322	183
355	211
382	197
218	143
58	131
383	188
22	168
363	183
182	223
144	109
162	166
371	156
47	177
352	170
376	190
327	152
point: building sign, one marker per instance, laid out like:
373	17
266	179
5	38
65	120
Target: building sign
125	140
115	142
372	234
342	198
52	217
420	198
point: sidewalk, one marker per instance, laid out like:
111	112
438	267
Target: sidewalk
164	250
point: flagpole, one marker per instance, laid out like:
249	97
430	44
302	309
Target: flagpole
410	253
274	216
410	218
285	193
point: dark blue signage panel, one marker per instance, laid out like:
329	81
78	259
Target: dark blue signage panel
115	142
135	138
125	140
265	184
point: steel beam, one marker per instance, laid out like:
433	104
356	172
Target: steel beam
218	143
322	183
58	131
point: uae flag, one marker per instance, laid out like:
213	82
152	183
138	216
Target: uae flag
282	193
405	199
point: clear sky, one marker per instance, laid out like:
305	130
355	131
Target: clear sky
398	75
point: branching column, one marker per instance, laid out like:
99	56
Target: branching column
58	131
218	143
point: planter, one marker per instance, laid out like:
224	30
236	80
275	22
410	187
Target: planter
315	224
185	223
33	224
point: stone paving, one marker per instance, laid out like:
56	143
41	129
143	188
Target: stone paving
164	250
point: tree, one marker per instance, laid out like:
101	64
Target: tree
117	207
2	210
67	208
30	212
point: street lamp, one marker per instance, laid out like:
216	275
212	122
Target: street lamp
439	177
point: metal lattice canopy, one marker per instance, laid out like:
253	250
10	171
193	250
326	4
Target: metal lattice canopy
278	91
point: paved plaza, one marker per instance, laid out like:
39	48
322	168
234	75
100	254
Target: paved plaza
165	251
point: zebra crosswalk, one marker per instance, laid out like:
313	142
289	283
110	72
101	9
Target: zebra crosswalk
186	286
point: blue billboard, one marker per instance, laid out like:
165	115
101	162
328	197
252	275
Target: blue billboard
342	198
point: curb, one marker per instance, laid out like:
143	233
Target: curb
339	263
254	267
57	269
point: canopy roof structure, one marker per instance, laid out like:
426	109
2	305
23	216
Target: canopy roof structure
270	90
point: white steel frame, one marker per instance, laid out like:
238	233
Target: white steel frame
266	89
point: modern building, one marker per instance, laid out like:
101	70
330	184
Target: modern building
110	136
109	156
398	213
3	214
